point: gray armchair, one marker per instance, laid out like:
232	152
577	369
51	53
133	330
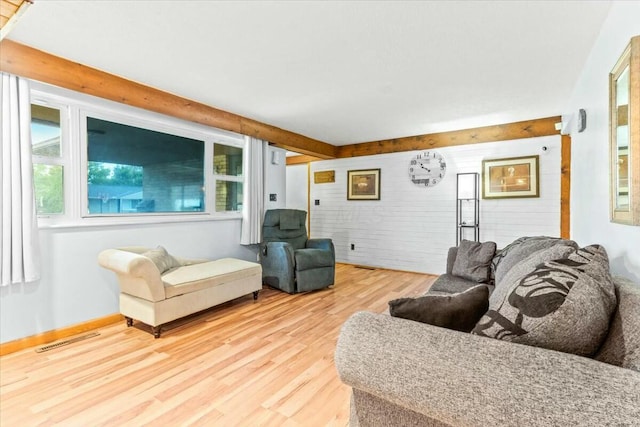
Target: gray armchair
290	260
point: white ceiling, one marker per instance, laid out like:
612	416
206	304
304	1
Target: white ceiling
338	71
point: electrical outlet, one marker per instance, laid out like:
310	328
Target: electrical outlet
317	202
273	197
353	246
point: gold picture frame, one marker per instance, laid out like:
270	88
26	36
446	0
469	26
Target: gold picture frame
624	139
363	184
323	177
514	177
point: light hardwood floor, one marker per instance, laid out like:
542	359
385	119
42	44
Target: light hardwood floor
245	363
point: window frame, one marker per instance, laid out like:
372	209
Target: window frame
139	123
74	144
63	160
228	178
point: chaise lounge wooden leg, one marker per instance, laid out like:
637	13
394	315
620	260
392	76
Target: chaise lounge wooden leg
129	321
156	331
255	295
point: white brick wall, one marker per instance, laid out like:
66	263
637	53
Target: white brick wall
412	227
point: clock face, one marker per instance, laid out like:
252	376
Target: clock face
427	168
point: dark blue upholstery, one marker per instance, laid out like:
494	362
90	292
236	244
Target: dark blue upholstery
290	261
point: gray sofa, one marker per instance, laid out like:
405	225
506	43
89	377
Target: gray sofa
406	373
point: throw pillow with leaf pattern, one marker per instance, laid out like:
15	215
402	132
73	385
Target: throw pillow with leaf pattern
563	305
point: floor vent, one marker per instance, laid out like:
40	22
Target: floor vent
365	267
66	342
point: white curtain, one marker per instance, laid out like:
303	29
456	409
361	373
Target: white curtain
253	199
19	252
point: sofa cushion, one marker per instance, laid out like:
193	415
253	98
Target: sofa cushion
285	225
473	260
521	248
313	258
451	258
621	347
450	284
524	267
289	220
562	305
192	278
161	259
458	311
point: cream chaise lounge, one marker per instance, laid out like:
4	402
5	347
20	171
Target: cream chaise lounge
156	288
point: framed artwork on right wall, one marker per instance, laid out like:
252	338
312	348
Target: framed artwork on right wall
511	177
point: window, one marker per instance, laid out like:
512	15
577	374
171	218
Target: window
97	162
227	167
48	164
132	170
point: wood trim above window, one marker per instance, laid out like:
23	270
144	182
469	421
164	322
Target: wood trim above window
34	64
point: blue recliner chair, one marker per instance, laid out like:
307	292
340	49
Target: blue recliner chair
290	260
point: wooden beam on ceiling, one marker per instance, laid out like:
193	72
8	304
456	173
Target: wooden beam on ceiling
34	64
503	132
38	65
302	159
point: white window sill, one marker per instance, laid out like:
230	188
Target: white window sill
115	221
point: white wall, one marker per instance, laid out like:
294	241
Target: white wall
74	289
275	177
297	194
412	227
590	149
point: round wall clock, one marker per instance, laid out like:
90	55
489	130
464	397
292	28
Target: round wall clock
427	168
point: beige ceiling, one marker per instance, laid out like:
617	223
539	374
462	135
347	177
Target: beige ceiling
340	72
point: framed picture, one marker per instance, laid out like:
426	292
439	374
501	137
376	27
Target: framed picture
363	184
510	178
